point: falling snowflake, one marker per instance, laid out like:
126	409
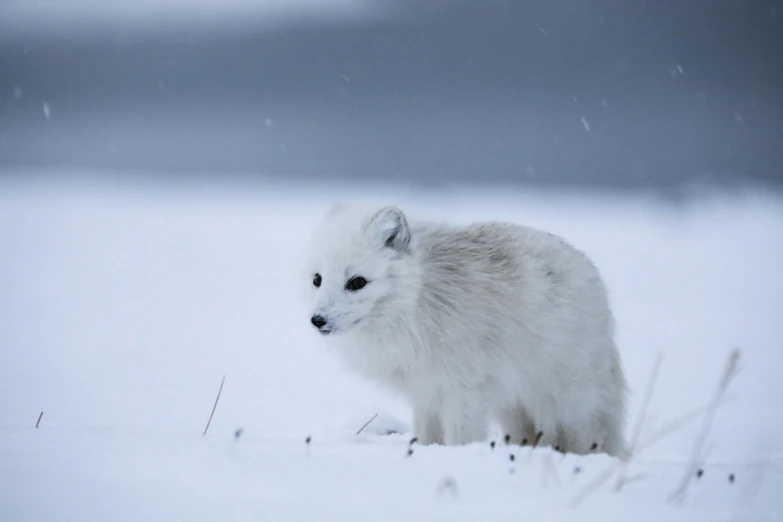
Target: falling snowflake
586	125
47	112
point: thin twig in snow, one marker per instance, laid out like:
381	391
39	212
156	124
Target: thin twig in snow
39	420
671	427
729	372
215	406
675	424
366	424
639	422
662	433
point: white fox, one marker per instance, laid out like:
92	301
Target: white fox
486	322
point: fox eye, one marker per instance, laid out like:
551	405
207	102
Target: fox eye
355	283
317	280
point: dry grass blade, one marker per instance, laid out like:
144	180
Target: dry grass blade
669	428
662	433
639	422
215	406
729	372
366	424
674	425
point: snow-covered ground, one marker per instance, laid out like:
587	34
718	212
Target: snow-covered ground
123	306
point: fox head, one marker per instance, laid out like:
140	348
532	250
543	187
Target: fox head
357	267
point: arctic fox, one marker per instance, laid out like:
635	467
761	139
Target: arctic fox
486	322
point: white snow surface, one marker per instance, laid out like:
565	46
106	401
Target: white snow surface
123	306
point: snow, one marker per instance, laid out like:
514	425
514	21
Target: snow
124	304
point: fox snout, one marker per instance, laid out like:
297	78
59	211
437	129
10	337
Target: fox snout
320	322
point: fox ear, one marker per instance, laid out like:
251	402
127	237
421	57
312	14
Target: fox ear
390	224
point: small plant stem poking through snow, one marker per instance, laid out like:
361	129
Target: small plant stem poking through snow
308	440
366	424
731	478
238	433
729	372
660	434
410	452
39	420
618	485
538	438
215	405
507	438
699	473
413	441
492	445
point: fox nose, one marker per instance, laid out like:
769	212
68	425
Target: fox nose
318	321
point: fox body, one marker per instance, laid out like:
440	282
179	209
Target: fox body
472	324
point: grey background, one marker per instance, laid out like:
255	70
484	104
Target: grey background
674	93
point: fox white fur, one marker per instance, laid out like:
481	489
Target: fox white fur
486	322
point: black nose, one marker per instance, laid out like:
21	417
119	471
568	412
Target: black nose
318	321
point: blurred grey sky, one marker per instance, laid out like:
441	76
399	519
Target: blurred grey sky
593	93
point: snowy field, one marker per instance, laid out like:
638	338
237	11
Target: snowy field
123	306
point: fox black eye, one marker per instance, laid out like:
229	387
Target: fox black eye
317	280
355	283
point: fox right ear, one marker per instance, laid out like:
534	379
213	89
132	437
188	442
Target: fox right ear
391	225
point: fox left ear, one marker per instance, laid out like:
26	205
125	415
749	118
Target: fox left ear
391	225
